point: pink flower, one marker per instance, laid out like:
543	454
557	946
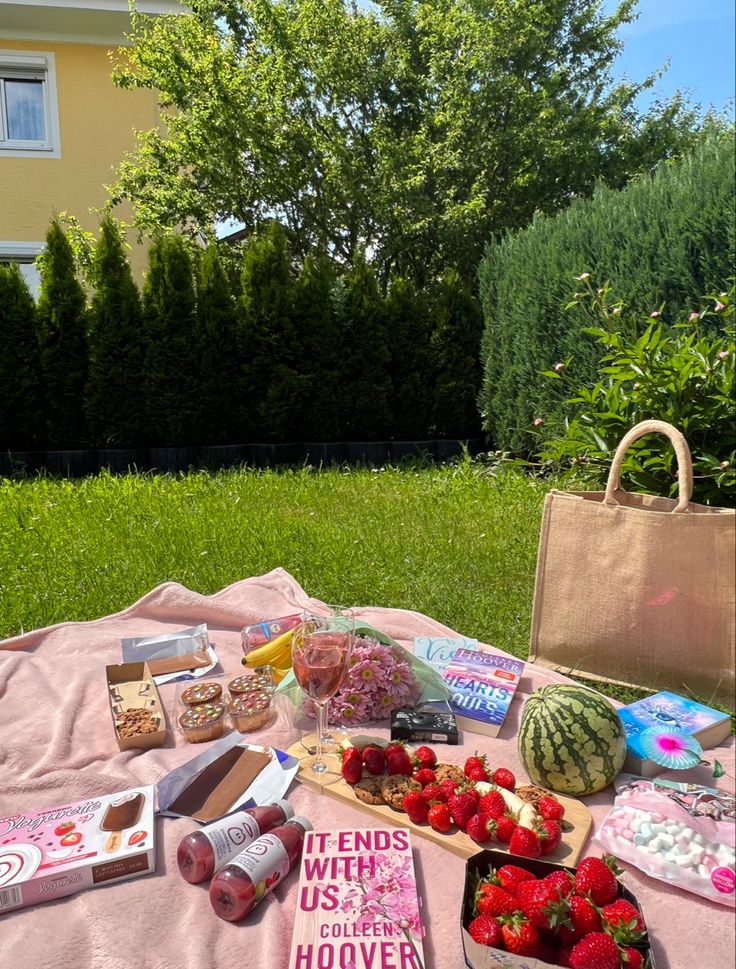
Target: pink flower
538	421
693	317
655	315
722	354
558	367
724	464
719	307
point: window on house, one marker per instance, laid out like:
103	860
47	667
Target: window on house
28	113
23	254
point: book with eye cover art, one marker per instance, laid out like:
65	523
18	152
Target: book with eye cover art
357	902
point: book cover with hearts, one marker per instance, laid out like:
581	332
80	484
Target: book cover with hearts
482	687
357	904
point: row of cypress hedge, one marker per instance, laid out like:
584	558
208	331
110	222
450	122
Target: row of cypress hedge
278	353
665	239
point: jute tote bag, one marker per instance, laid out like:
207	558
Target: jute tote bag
638	590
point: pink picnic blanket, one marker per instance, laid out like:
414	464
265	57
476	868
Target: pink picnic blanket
57	745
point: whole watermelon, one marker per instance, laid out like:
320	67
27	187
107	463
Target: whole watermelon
571	740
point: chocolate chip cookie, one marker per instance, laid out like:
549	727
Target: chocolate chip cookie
394	787
368	790
444	771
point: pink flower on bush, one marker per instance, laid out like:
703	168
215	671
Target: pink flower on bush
693	317
719	307
723	354
538	421
655	315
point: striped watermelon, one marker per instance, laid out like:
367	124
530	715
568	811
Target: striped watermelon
571	740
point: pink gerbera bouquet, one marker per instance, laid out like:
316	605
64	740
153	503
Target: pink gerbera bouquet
378	681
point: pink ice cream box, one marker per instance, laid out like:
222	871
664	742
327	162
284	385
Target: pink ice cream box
64	850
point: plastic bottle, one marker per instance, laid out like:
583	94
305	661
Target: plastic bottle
209	849
241	885
260	633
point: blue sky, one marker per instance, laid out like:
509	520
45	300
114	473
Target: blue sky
697	36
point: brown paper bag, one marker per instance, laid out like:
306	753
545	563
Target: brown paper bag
638	590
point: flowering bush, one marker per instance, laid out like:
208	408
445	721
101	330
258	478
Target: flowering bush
378	681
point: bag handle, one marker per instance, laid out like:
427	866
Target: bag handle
682	452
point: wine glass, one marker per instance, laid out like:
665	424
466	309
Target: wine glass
321	650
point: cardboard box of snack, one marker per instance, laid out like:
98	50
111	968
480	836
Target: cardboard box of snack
484	957
45	855
135	706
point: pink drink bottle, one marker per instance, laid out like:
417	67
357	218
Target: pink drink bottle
241	885
209	849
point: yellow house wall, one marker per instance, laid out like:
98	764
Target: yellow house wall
96	125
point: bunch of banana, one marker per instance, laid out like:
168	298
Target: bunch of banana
276	654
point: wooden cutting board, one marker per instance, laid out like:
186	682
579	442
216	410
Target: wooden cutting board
568	852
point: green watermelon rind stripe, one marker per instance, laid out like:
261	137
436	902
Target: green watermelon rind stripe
578	714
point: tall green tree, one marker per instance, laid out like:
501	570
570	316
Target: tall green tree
170	369
217	344
366	389
456	365
62	317
410	129
408	316
268	340
21	398
319	336
115	407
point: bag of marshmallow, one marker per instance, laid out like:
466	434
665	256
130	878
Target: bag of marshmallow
683	834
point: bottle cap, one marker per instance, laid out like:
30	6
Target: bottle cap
285	807
302	822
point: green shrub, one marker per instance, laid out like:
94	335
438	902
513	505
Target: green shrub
409	321
683	374
216	343
665	238
171	368
62	317
114	405
21	401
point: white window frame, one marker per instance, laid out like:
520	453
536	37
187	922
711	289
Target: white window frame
34	65
24	254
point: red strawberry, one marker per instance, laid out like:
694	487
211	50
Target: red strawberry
440	818
550	809
623	921
541	903
595	951
511	876
424	776
462	807
582	918
485	931
346	753
520	936
631	958
502	777
394	747
525	842
425	756
492	803
374	759
416	806
399	762
352	769
505	827
479	828
64	828
549	834
433	792
563	882
597	877
448	787
563	955
492	900
476	774
475	761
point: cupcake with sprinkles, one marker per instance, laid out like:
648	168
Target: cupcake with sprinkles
200	693
202	723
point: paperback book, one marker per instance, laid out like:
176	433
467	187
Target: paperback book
357	904
482	686
438	651
709	727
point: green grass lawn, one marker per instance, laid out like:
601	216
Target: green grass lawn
450	541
